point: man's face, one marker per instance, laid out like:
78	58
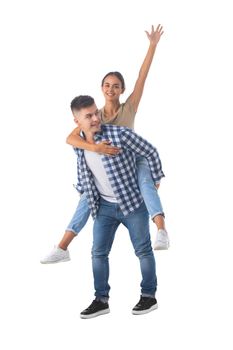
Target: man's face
88	119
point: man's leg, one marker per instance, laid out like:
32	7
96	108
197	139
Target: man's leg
105	226
138	226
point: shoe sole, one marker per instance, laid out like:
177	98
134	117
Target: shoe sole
99	313
161	248
142	312
55	262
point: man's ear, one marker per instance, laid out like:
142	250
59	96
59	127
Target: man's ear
76	119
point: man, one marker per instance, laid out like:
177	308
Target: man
111	188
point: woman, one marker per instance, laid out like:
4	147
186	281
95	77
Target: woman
122	114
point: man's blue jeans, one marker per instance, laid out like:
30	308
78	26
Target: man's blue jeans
147	189
106	223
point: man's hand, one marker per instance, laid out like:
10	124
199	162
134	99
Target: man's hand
105	147
155	35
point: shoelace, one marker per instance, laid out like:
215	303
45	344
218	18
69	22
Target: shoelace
144	301
93	305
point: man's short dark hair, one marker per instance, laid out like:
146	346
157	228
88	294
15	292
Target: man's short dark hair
82	101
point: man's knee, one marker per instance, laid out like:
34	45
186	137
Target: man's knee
143	250
100	253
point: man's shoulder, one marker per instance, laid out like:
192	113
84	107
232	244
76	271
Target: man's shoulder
112	128
78	151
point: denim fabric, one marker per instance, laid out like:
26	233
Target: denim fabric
80	216
106	223
147	187
121	169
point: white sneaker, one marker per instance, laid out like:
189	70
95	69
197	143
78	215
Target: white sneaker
55	256
162	240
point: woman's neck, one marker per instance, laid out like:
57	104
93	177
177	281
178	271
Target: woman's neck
111	108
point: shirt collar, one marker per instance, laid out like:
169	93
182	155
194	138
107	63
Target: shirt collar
97	137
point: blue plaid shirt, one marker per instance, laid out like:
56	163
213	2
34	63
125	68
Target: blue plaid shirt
121	169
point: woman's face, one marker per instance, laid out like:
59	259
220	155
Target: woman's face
112	88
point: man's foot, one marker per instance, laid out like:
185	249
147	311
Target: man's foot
145	305
96	308
162	240
55	256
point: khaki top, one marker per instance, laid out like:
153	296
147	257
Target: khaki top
124	117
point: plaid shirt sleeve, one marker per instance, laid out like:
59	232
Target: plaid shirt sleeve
135	143
78	186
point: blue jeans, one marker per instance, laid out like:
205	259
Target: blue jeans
80	216
106	223
147	189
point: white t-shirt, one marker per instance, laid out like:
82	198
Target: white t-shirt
101	180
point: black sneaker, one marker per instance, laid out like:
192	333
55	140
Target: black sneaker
145	305
96	308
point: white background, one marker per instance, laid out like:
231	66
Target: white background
52	51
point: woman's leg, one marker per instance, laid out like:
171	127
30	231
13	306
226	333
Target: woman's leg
152	201
60	253
77	222
149	191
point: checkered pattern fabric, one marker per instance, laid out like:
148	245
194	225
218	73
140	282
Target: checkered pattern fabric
121	169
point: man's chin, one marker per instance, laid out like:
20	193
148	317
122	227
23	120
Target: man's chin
96	128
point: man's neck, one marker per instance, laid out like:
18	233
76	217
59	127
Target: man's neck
89	137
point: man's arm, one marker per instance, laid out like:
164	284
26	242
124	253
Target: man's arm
74	139
136	144
154	37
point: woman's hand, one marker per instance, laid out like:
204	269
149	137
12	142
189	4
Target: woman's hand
105	147
155	35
